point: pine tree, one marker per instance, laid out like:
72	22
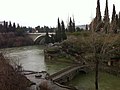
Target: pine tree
63	34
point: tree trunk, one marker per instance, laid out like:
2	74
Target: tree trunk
96	74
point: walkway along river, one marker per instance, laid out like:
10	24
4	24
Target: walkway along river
32	58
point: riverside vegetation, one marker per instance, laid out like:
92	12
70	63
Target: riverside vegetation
98	46
11	78
12	35
81	48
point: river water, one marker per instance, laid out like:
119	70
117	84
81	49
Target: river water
32	58
86	81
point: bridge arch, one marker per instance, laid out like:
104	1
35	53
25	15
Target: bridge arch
39	38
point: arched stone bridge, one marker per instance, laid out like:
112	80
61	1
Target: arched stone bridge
38	38
57	79
69	73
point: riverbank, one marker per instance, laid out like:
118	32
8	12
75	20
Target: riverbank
10	39
10	78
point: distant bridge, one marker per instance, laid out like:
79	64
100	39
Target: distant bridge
68	74
38	38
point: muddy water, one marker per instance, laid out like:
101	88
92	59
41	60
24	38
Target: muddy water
32	58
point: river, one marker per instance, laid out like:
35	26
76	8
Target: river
32	58
86	81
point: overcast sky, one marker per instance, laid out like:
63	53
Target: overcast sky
46	12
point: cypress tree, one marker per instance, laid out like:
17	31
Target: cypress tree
113	13
18	26
116	24
5	26
70	26
106	13
119	20
58	32
113	27
52	39
73	25
14	27
63	34
47	37
10	27
98	12
59	26
106	18
97	22
4	29
86	27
